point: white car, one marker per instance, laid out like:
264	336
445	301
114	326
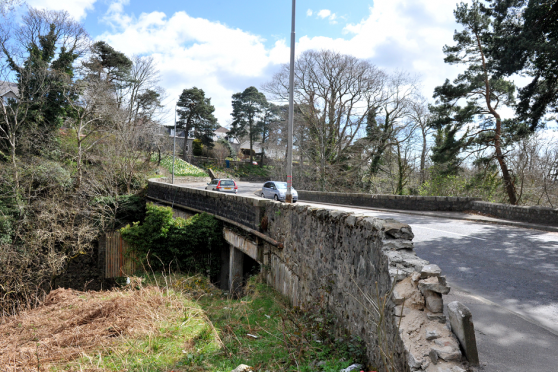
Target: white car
277	190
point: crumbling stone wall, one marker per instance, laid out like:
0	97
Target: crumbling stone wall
347	263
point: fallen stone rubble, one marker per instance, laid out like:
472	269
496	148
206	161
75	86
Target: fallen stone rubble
430	344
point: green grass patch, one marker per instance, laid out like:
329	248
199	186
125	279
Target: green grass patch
178	323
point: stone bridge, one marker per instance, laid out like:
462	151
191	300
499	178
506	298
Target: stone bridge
362	269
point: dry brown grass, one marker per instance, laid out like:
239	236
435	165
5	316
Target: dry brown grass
71	323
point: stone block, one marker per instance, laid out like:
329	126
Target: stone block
446	353
462	326
433	284
433	301
430	270
432	334
397	244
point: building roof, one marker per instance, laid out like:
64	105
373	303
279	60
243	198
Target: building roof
221	130
6	87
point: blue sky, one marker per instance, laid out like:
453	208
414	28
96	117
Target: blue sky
271	19
225	46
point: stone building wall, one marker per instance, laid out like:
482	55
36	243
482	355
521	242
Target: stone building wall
346	263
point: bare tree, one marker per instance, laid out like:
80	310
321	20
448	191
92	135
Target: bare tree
420	115
335	93
93	105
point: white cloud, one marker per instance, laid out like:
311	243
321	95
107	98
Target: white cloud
397	34
77	8
324	13
309	13
197	52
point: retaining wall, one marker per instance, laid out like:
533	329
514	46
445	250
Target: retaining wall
406	202
343	262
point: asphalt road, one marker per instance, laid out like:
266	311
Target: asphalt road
506	275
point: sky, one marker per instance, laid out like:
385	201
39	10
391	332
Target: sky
225	46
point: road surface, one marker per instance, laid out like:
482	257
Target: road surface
506	275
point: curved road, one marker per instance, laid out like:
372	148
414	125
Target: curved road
506	275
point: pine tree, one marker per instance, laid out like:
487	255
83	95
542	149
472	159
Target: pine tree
195	113
483	92
247	106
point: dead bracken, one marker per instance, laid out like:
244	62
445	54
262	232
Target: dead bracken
70	323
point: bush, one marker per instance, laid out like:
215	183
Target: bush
197	147
192	245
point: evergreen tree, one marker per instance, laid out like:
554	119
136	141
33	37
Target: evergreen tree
247	106
271	115
41	68
195	112
446	149
483	92
109	64
526	42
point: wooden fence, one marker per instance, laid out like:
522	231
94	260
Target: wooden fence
119	262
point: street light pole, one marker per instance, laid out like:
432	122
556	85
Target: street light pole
174	145
289	196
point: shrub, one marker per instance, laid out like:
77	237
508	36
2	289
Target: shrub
197	147
192	245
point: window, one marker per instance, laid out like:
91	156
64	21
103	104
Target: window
281	185
267	185
227	183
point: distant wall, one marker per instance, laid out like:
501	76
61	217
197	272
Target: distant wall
405	202
539	215
333	259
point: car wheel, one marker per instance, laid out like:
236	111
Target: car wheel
276	198
262	195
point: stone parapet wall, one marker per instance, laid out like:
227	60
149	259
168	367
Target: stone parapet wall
346	263
185	179
539	215
241	209
405	202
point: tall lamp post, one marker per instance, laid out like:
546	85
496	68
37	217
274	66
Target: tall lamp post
173	145
289	196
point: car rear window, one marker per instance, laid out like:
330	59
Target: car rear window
227	183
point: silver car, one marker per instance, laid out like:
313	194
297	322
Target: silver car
277	190
224	185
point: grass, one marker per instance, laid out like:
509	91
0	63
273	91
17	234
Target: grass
172	323
181	167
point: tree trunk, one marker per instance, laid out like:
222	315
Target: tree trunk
508	181
184	151
250	135
423	158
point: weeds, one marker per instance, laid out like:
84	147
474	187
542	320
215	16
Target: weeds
173	323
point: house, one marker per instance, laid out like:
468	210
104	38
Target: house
221	132
8	90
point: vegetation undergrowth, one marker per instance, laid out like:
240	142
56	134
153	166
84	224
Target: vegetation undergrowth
172	323
188	245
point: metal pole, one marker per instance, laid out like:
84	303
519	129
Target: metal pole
289	196
174	145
